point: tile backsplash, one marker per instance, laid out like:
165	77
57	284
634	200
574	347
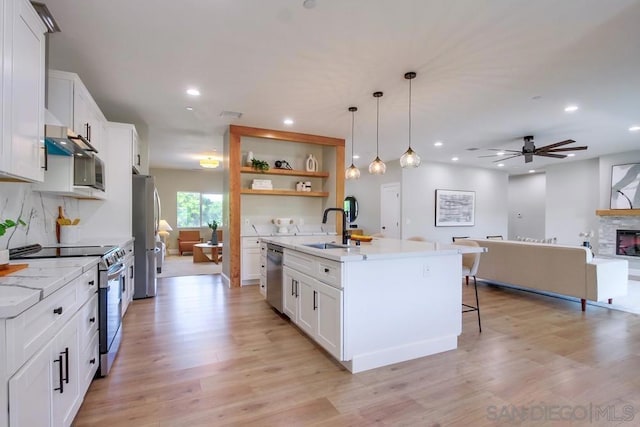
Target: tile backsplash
38	210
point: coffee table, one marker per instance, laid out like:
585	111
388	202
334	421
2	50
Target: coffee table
200	252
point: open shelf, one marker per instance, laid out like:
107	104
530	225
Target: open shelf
285	193
288	172
618	212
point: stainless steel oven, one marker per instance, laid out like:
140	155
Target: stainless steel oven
112	279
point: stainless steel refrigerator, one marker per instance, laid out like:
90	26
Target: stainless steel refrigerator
146	219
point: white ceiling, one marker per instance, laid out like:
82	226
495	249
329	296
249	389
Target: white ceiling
488	72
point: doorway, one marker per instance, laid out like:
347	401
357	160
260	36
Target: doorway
390	210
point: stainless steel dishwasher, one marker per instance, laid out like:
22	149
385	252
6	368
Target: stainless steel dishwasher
274	276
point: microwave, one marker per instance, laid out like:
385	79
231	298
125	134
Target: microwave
88	170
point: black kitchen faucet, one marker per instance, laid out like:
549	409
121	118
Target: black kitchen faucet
345	236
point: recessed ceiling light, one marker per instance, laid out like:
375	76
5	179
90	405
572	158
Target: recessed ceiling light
355	156
500	165
570	108
193	92
532	170
500	153
634	128
438	143
571	155
454	159
288	122
190	108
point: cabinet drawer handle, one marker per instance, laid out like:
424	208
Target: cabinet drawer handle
326	270
57	310
91	282
92	320
292	282
315	300
66	363
46	158
59	361
92	361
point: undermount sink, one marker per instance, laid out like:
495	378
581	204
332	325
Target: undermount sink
327	246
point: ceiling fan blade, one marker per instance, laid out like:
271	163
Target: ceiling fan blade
506	158
555	156
555	150
501	149
557	144
490	155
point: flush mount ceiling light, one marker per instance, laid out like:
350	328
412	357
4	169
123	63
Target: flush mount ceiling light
209	163
410	158
377	167
352	171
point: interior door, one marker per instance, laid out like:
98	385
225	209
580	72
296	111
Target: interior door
390	210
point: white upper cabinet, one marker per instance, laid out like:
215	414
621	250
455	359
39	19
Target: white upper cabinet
71	103
23	66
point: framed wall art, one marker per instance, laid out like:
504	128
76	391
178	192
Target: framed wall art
625	180
455	208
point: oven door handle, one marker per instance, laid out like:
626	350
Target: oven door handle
114	274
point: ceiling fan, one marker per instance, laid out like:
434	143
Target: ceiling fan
529	150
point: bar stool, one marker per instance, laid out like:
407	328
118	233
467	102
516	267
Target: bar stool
470	263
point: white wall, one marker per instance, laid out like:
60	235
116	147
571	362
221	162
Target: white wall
170	181
572	199
418	199
527	204
366	190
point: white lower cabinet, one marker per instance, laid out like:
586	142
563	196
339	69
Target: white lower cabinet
46	386
250	262
316	308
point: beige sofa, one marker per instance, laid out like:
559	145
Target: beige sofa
565	270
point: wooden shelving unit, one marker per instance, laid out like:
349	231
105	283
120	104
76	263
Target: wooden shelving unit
618	212
287	172
285	193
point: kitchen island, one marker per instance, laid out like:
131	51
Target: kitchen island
383	302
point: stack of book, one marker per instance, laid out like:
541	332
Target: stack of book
261	184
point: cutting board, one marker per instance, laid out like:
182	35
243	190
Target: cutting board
11	268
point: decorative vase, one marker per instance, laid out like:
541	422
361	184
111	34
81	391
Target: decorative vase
249	158
312	164
214	237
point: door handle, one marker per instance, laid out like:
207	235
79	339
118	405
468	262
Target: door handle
315	300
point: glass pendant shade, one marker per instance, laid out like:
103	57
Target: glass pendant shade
352	171
410	158
377	167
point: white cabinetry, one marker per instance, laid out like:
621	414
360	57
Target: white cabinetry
22	92
59	179
129	278
71	103
263	269
314	306
250	260
52	354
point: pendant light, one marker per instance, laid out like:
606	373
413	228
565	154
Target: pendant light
410	158
352	172
377	167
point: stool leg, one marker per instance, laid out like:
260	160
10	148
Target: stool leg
475	285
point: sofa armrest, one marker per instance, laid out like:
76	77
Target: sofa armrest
607	278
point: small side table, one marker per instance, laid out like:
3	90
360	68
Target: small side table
200	255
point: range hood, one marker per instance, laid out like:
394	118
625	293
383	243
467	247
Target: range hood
62	141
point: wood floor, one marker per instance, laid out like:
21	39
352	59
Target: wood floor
200	354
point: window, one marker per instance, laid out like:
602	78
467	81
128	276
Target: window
197	209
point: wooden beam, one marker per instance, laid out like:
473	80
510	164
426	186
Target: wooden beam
618	212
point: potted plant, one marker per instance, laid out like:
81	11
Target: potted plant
214	233
7	223
259	165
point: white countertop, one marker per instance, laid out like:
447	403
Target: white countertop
378	248
24	288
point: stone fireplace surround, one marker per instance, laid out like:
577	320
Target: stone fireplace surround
608	223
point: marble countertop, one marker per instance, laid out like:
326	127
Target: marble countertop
378	248
24	288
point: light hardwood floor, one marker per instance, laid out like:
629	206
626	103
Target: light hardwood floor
200	354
